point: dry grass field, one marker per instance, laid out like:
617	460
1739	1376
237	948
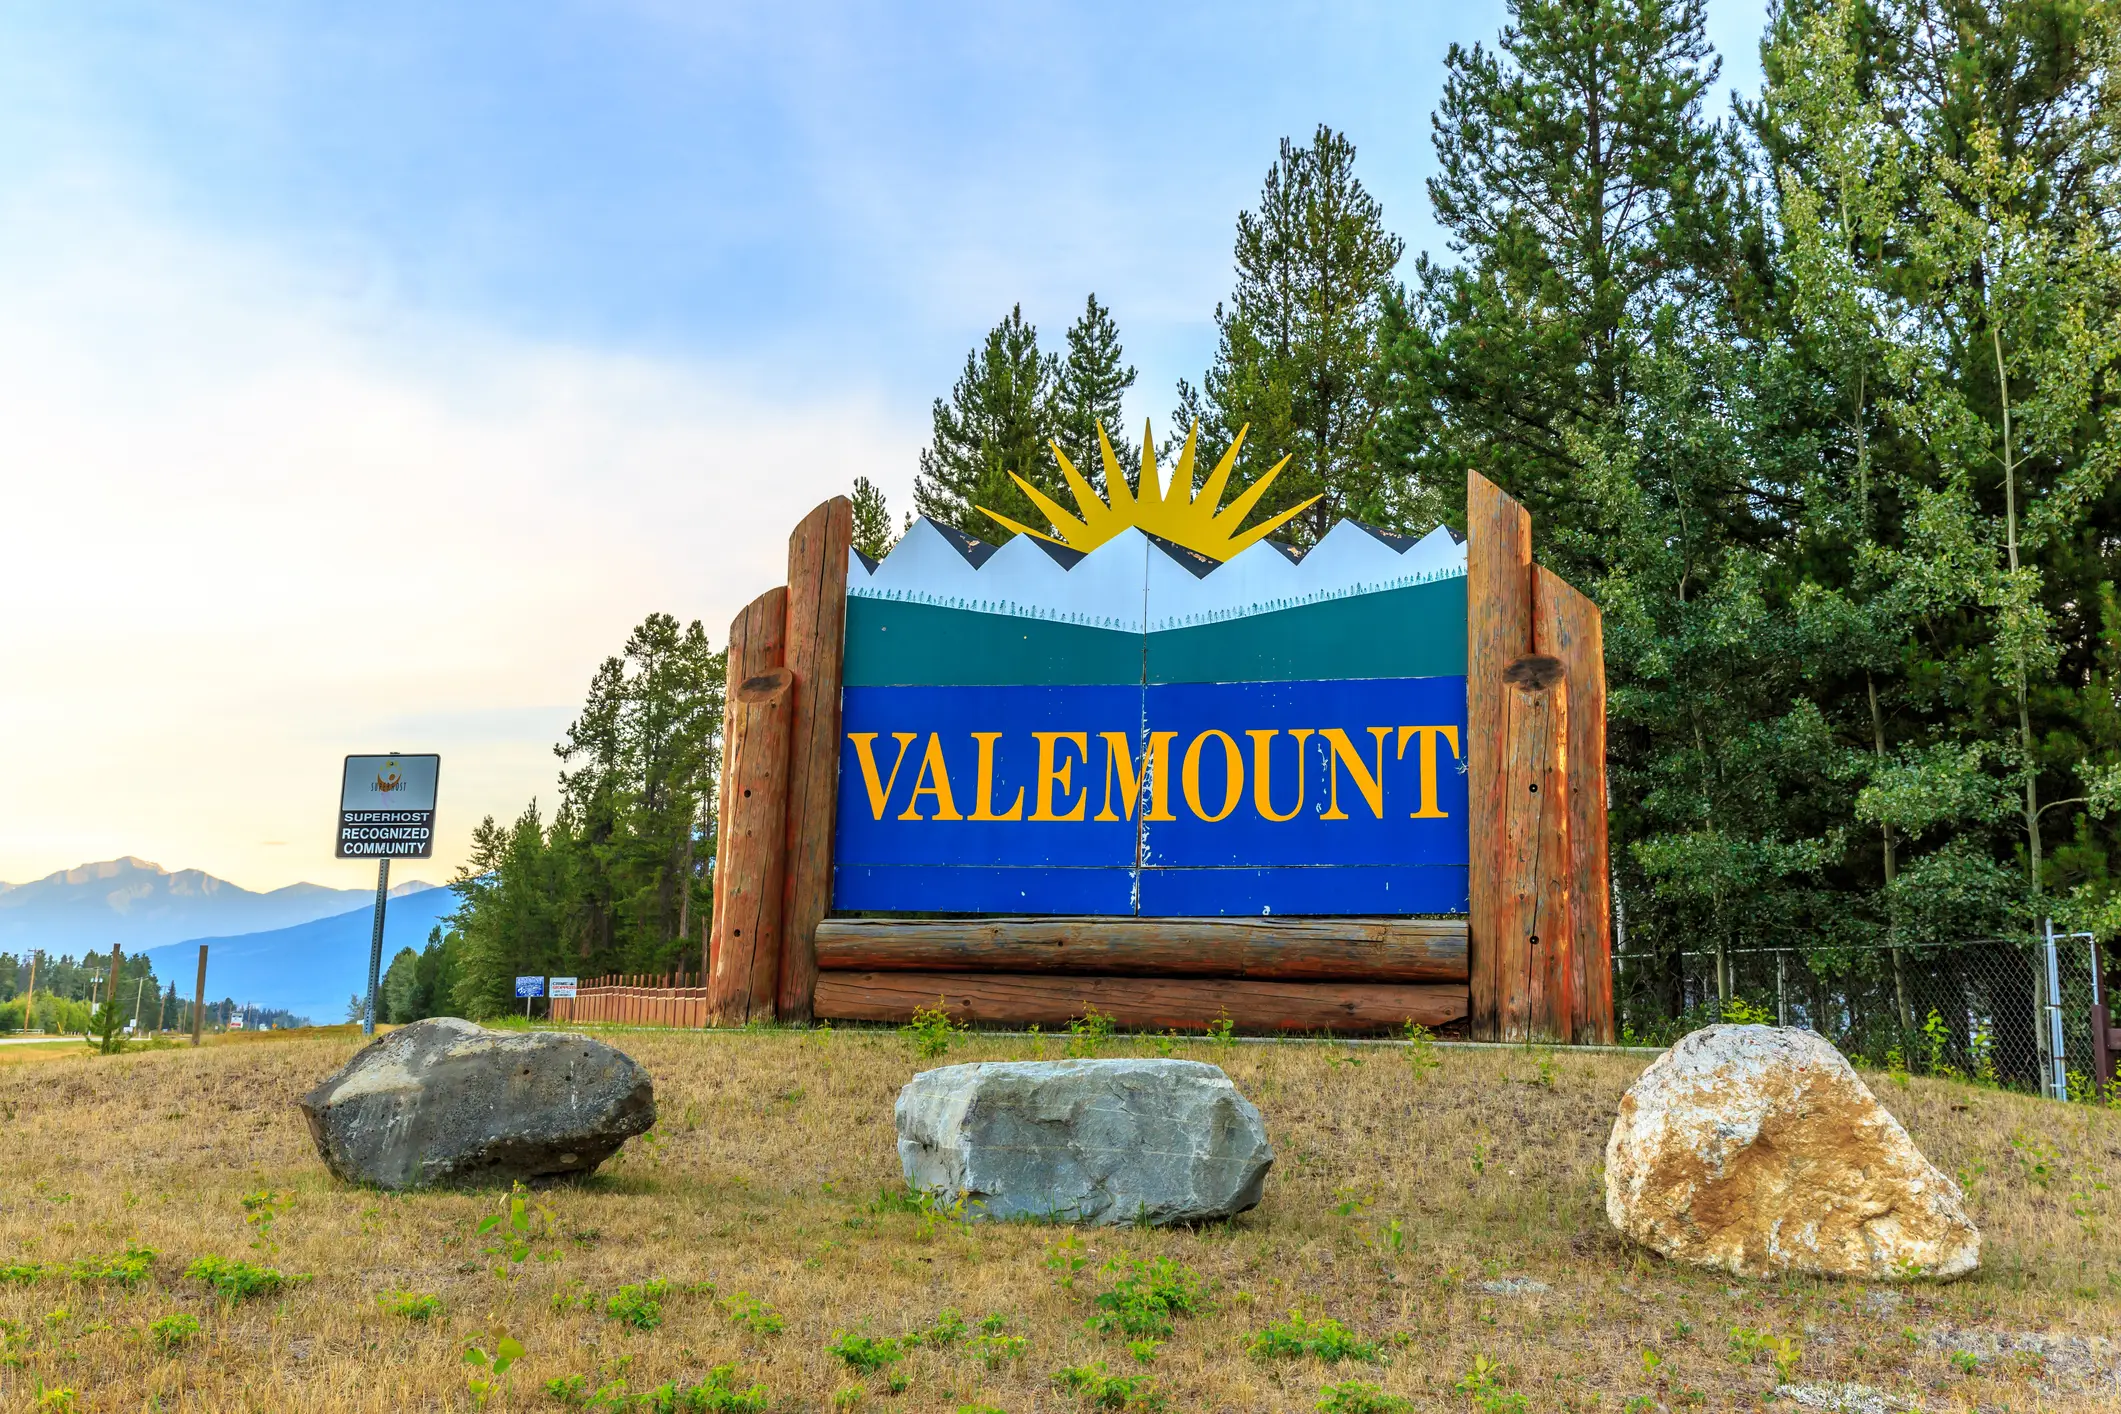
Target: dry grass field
1451	1219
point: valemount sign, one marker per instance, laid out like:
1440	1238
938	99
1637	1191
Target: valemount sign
1140	729
387	807
1154	763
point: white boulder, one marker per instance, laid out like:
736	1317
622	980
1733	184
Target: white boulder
1758	1150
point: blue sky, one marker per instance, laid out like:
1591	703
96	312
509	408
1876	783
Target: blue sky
594	299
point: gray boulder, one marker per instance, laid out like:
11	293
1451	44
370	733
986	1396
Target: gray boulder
1085	1141
444	1102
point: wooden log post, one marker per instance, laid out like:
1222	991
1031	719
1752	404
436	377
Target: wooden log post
817	637
1023	999
1291	949
757	644
1498	633
1568	626
1532	936
749	867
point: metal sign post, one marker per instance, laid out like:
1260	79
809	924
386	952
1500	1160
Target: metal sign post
386	812
2058	1077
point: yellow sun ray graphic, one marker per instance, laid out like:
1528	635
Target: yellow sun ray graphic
1196	520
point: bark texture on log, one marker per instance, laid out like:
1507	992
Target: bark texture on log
1498	632
1355	949
1568	626
1022	999
817	637
757	644
1532	928
747	898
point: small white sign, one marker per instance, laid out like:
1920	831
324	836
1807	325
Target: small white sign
387	807
563	986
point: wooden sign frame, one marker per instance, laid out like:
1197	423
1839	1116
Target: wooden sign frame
1529	962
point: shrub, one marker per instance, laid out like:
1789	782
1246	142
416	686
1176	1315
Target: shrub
717	1394
1420	1048
864	1353
129	1268
571	1390
639	1305
1088	1033
173	1331
949	1329
412	1305
1355	1397
1483	1383
753	1314
1100	1390
997	1350
236	1280
1295	1338
1144	1300
932	1033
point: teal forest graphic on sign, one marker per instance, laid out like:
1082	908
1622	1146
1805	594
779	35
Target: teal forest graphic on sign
1144	729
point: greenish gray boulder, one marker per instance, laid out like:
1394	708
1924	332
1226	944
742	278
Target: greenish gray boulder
444	1102
1085	1141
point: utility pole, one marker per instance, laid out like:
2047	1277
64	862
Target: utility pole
198	998
29	1003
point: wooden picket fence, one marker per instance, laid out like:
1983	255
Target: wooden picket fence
636	999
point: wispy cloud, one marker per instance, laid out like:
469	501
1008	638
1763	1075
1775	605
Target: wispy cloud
253	523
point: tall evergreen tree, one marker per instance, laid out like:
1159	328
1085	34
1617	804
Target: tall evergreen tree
1598	351
1009	408
998	420
1093	378
872	519
1582	190
619	881
1296	368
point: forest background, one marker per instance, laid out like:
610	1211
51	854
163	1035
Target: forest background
1814	396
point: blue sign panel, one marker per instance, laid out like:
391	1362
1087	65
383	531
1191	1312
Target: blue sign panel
1171	799
530	986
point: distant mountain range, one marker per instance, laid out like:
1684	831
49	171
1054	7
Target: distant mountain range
310	968
138	905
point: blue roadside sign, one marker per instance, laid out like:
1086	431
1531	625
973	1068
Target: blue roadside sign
530	986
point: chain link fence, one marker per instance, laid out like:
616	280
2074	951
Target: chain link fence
2010	1012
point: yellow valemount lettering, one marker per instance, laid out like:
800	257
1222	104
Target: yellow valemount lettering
983	793
865	753
1119	761
1051	774
1371	784
932	779
1233	774
1262	789
1428	737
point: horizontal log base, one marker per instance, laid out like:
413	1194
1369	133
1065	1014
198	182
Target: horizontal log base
1182	1003
1305	949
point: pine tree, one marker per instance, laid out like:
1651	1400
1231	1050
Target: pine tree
1296	369
1093	379
1582	191
610	884
872	519
1599	350
998	419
